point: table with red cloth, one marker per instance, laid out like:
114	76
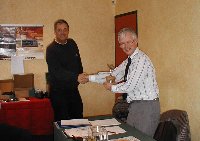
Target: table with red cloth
35	115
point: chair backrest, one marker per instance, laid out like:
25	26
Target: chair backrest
166	131
180	119
120	109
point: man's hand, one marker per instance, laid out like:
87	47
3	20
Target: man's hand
107	85
83	78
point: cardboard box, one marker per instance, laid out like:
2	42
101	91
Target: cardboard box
4	97
23	80
6	85
21	92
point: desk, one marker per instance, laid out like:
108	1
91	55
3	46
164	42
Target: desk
131	131
35	115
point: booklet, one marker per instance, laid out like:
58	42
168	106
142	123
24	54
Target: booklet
105	122
75	122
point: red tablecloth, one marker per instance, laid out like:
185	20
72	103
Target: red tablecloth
35	115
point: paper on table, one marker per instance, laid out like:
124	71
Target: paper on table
77	132
23	99
17	64
114	130
105	122
129	138
75	122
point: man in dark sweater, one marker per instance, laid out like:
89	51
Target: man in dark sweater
65	73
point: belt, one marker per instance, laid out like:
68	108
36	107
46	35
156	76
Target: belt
155	99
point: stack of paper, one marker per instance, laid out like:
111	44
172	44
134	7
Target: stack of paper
114	130
129	138
105	122
77	132
77	129
75	122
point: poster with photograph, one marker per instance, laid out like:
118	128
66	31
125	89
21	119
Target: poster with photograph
21	40
7	42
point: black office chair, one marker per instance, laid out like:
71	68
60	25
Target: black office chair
180	121
120	109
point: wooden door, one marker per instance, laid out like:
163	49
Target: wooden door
123	20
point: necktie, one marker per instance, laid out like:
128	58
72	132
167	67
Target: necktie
125	76
127	67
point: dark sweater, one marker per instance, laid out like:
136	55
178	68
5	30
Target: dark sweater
64	65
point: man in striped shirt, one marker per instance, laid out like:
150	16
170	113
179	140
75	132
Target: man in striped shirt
139	84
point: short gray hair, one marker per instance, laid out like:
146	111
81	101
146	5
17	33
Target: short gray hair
125	30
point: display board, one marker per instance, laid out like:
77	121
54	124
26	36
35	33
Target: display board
21	40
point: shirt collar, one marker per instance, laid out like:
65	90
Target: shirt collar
135	52
60	43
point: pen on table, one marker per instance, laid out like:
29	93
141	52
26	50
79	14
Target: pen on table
73	137
65	133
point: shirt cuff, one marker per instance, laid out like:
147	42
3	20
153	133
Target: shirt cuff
92	78
114	88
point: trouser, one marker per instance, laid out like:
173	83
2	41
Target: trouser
67	104
144	115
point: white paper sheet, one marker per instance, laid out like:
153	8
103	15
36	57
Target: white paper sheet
129	138
17	65
75	122
83	131
77	132
105	122
114	130
23	99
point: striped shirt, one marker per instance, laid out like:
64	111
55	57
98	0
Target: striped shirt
141	79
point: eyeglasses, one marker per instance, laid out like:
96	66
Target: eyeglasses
122	45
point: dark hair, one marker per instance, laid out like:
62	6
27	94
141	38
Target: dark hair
60	21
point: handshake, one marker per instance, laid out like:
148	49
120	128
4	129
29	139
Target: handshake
110	80
84	78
